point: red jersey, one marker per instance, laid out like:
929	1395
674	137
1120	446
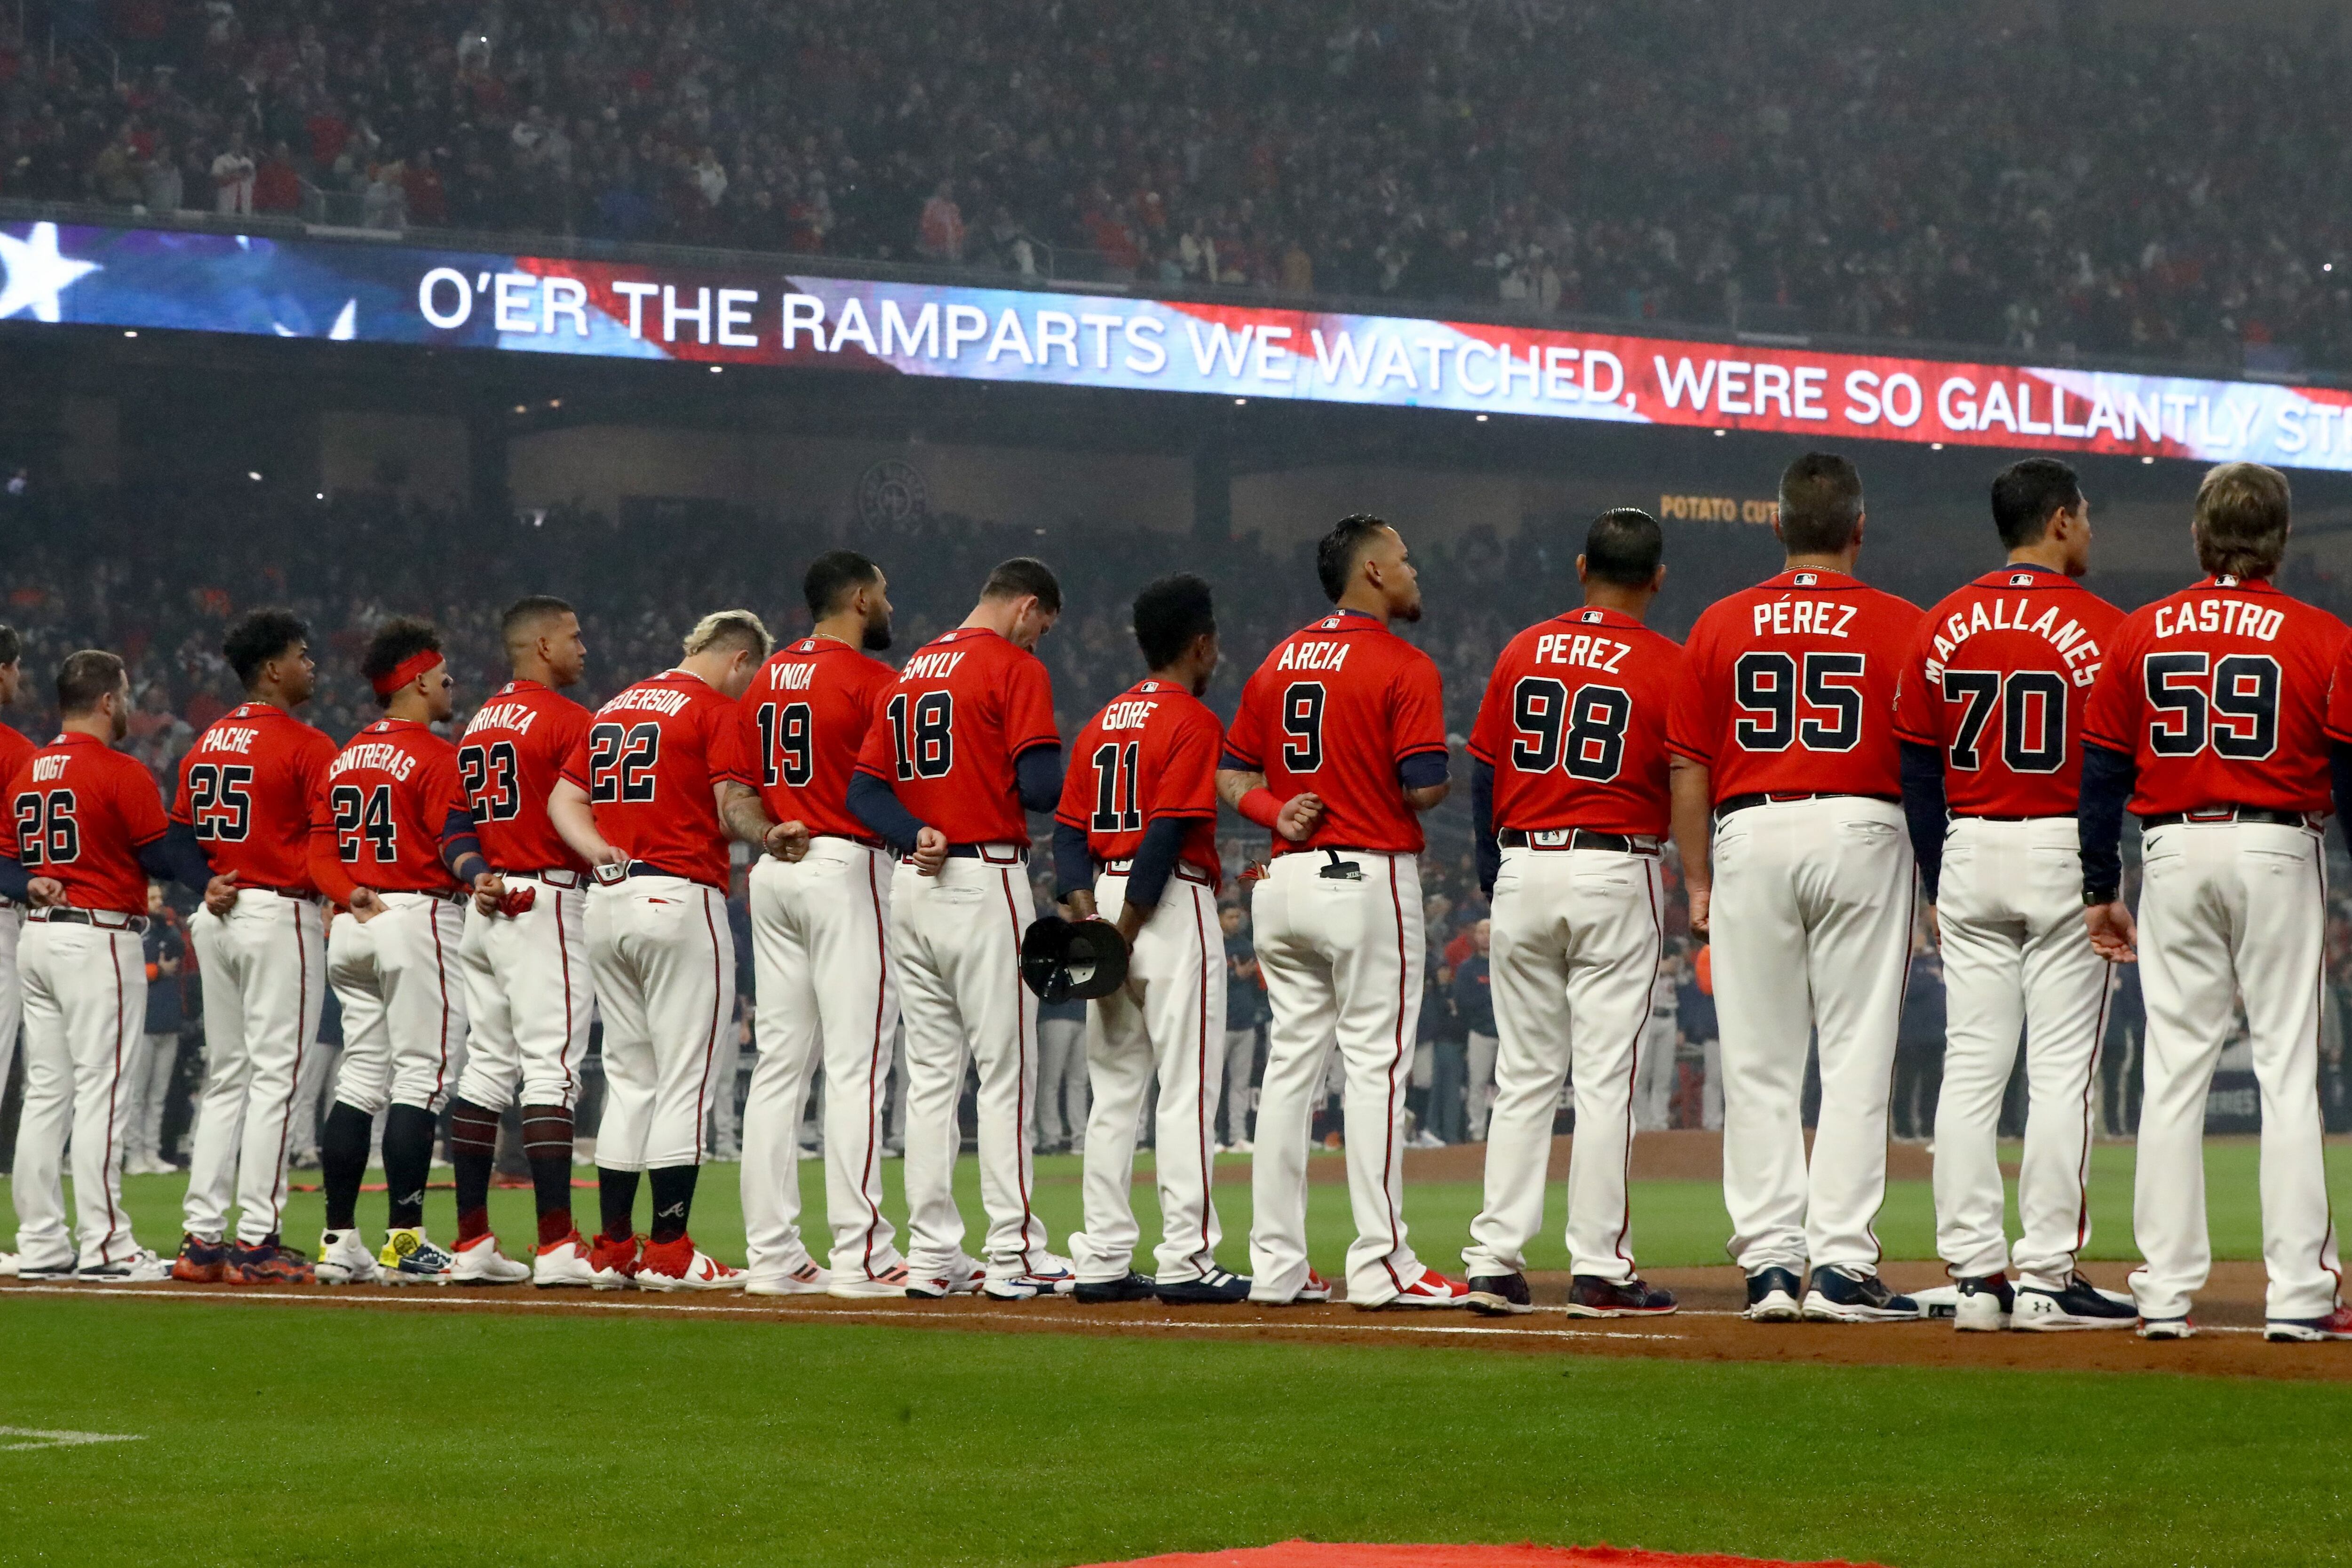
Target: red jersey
80	811
1789	688
15	747
804	721
2220	693
508	760
1574	725
953	724
652	762
383	805
1997	681
1334	707
1151	753
246	788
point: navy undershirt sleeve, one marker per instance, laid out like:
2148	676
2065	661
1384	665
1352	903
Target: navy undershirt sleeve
461	842
2339	764
1038	778
1073	863
2108	779
1482	824
1421	770
876	805
16	882
1924	810
174	858
1155	861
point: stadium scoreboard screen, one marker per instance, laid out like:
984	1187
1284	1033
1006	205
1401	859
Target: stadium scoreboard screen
387	293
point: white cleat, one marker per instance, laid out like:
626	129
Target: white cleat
2077	1304
480	1262
807	1279
7	1265
344	1259
1048	1274
565	1264
890	1281
141	1267
963	1278
691	1269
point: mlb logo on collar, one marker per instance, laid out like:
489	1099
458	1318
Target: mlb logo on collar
2020	579
1330	624
1806	580
1592	617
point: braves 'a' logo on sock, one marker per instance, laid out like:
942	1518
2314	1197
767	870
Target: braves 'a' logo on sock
415	1199
675	1211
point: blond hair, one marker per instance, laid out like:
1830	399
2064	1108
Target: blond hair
2242	519
729	629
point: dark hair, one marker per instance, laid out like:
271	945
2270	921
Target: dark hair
12	646
834	577
1820	501
396	642
1171	613
1623	546
1337	552
525	611
259	636
2026	492
85	678
1022	576
2242	516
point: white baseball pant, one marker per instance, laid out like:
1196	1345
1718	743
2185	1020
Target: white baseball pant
1577	943
264	971
1166	1025
2231	912
85	999
819	931
12	989
404	1002
1812	926
663	960
956	942
1343	956
2010	912
529	999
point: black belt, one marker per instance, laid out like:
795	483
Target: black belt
1557	838
1184	869
999	854
1730	803
104	919
647	868
2213	814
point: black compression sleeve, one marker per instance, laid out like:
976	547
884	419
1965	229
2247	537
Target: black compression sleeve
1155	861
2340	763
876	805
2108	779
1482	824
461	845
16	882
1421	770
1074	864
1038	778
176	858
1924	808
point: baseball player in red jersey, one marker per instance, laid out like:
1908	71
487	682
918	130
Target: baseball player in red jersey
965	745
1783	727
1135	842
648	799
86	830
525	955
15	747
1990	714
820	935
1570	802
2212	716
393	842
246	789
1338	746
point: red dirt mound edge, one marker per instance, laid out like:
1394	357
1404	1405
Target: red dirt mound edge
1336	1554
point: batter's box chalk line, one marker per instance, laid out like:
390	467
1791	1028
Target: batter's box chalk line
36	1437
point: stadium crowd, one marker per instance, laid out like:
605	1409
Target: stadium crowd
348	563
2116	186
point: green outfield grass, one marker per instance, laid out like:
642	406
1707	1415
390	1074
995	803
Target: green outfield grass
295	1436
1674	1223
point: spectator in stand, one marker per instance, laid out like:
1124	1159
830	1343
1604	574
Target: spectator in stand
1473	1005
1695	1024
233	175
428	201
941	236
1245	1016
156	1052
163	187
1919	1047
277	187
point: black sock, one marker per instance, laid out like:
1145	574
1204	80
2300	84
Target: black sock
407	1162
473	1150
547	1144
673	1199
616	1197
342	1162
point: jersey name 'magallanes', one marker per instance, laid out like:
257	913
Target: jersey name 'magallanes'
374	755
2075	645
2238	617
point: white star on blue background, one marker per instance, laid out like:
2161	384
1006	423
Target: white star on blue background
36	273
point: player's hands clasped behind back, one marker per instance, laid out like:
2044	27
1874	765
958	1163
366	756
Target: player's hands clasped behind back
2115	936
1299	816
220	895
930	851
787	841
489	892
365	905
